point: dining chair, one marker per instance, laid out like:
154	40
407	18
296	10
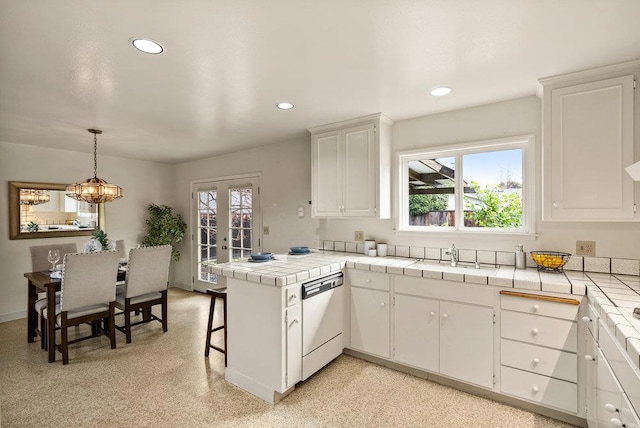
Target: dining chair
40	262
88	294
145	286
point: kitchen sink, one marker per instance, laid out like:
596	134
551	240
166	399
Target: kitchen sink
465	268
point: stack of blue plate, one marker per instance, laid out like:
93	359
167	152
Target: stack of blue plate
297	251
260	257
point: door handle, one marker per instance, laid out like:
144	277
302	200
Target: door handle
224	247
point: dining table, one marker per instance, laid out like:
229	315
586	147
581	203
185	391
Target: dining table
42	282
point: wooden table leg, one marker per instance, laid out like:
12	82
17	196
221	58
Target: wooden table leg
51	321
32	316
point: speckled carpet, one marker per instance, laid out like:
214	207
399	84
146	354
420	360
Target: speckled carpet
164	380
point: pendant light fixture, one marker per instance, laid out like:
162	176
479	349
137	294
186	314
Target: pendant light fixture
94	190
34	197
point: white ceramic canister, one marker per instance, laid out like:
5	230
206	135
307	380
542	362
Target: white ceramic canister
372	252
368	245
382	250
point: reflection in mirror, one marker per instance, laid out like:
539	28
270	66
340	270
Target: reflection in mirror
42	210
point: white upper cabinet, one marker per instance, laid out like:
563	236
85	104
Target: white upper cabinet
351	168
588	140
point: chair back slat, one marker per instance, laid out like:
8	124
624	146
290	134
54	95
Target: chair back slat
39	255
88	279
148	270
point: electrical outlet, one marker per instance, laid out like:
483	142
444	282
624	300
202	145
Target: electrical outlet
358	236
586	248
265	230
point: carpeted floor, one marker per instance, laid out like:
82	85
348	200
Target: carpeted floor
164	380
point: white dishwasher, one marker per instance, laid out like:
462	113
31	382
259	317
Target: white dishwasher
322	322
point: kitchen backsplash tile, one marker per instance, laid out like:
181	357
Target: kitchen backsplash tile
402	251
617	266
467	256
625	267
597	264
416	252
487	257
506	258
575	263
432	253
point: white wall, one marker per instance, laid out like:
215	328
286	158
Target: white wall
286	185
508	118
143	183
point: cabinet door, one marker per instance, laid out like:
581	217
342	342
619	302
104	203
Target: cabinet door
591	142
327	166
416	332
359	182
608	394
590	370
370	321
466	343
293	346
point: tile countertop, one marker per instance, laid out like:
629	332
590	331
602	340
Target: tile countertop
613	296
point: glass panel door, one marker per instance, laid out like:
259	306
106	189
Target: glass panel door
227	214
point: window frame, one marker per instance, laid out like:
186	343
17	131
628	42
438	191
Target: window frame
524	142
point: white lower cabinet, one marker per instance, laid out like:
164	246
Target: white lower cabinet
538	350
417	332
370	321
466	353
451	338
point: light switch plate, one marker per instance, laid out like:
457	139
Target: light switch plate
300	212
586	248
265	230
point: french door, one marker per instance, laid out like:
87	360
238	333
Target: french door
227	225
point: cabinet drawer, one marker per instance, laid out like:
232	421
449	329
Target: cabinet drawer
545	361
292	296
540	389
540	307
551	332
367	279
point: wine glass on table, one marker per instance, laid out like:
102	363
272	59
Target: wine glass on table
53	257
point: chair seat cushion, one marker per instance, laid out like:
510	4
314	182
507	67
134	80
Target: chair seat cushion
77	312
120	296
42	303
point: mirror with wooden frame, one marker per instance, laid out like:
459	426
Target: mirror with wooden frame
43	210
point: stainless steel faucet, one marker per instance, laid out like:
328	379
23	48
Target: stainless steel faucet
453	252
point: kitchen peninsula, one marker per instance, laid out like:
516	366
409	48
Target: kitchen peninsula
514	313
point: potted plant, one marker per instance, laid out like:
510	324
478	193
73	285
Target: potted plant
164	228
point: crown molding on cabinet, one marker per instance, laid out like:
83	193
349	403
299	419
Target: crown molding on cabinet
377	116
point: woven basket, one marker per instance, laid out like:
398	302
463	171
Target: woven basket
550	261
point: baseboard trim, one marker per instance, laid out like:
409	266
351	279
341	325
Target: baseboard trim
13	316
471	389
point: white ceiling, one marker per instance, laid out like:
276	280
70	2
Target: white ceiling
66	66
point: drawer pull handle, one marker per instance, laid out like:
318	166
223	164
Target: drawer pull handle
535	332
589	358
586	320
382	304
445	316
367	281
432	313
610	408
535	389
615	422
536	361
536	308
293	296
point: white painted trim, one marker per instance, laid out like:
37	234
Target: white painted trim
525	142
13	316
356	121
250	385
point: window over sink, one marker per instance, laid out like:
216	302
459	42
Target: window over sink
480	187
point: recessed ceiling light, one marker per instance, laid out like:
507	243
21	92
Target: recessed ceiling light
147	46
440	91
284	106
